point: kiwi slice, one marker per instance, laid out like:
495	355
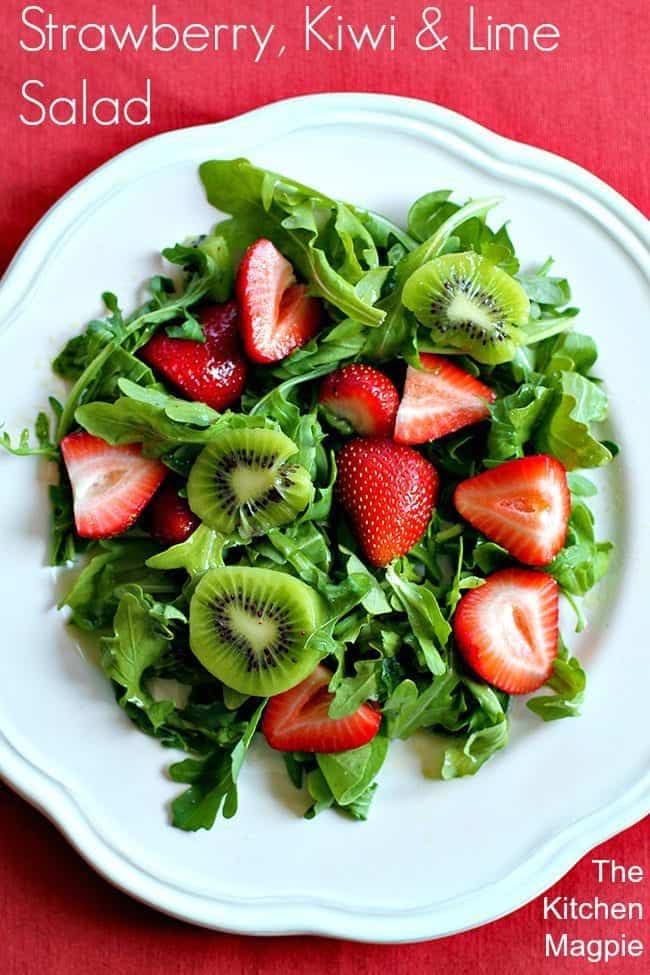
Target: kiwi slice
244	481
249	626
470	304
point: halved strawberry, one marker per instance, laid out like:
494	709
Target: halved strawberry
439	399
110	485
172	520
522	505
298	720
277	315
363	396
212	372
388	492
507	629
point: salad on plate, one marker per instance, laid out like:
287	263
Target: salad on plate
324	486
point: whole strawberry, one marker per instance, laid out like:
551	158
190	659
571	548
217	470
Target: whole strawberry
388	492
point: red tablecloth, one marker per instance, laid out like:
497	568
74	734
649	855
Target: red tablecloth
589	101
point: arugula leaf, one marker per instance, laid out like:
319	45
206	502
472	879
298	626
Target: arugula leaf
81	350
375	601
352	692
295	768
126	421
430	629
429	212
580	486
467	757
488	556
349	774
64	544
514	419
568	352
302	537
492	703
104	337
319	791
203	550
190	329
280	406
553	411
121	366
360	807
45	447
73	357
565	428
138	642
462	580
157	420
408	708
180	410
568	683
209	258
212	781
114	565
544	289
323	238
583	561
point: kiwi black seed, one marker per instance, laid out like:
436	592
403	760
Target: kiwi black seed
249	628
247	481
470	305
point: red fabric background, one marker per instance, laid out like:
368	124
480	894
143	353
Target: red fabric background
588	101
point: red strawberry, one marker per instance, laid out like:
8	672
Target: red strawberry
388	492
507	629
439	399
172	520
298	719
363	396
522	505
110	485
277	315
212	372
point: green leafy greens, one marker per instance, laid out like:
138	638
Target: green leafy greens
387	635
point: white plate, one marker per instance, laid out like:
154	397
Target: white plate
434	858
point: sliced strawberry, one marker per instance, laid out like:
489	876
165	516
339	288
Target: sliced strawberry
363	396
212	372
439	399
388	492
172	520
298	720
507	629
522	505
110	485
277	315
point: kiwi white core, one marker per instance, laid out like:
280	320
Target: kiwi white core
248	483
258	631
463	309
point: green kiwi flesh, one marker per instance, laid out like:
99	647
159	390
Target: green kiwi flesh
249	627
469	304
244	481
